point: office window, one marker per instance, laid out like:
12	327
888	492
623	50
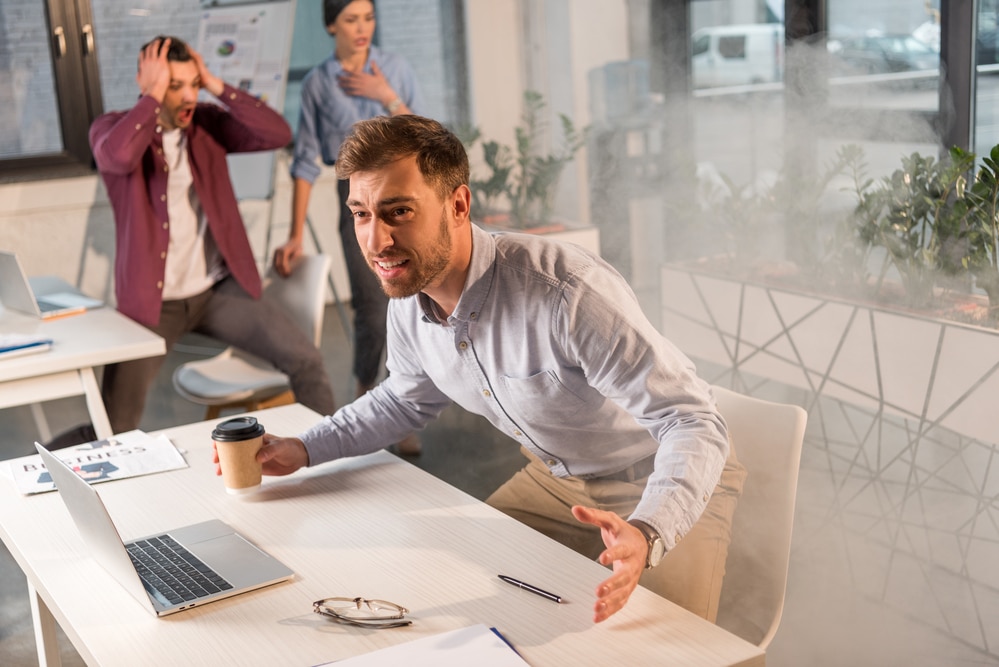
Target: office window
48	64
986	54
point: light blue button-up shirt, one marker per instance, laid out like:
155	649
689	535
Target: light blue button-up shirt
549	343
328	113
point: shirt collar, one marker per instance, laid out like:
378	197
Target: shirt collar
374	55
478	282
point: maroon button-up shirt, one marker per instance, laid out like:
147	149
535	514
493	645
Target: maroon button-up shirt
128	149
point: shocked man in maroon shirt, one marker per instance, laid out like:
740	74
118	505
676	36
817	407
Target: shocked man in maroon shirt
183	261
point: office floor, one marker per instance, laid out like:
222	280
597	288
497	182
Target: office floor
854	598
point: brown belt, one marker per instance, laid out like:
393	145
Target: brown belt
638	470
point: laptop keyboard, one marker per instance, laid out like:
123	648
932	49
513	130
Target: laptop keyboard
169	569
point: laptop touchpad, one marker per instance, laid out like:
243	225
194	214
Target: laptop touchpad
238	561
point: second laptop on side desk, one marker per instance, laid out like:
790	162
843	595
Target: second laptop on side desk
47	298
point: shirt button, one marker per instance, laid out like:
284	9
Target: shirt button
676	539
486	393
473	316
159	284
166	167
550	462
163	255
162	197
517	433
463	345
166	225
138	126
232	96
706	497
157	110
159	129
159	151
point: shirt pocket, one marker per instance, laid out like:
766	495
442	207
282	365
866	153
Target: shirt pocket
542	397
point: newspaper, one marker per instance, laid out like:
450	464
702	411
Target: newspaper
128	454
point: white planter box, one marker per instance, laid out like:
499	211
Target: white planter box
935	372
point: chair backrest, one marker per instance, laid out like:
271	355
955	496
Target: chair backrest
303	293
768	438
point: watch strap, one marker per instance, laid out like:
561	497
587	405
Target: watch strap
653	541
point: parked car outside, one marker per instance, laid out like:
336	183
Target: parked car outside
987	47
881	54
735	55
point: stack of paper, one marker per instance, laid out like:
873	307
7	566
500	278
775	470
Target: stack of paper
16	344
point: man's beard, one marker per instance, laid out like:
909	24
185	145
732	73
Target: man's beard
432	267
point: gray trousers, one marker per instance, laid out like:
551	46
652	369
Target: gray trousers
227	313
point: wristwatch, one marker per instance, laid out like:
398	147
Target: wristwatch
393	105
657	548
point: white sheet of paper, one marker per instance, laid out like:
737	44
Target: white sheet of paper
475	645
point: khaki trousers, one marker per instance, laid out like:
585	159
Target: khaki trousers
691	573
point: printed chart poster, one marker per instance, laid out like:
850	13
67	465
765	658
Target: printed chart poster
230	44
129	454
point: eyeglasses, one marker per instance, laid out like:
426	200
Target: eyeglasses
362	612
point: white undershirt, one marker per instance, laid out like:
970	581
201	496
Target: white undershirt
193	263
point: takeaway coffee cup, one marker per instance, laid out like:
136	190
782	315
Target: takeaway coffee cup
237	442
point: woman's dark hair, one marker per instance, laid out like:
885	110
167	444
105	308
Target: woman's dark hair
332	9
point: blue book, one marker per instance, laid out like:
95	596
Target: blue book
15	344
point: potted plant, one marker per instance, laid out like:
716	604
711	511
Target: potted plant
917	245
520	184
938	222
920	236
979	238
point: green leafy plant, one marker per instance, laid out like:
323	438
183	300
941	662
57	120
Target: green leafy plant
525	178
978	237
917	214
934	222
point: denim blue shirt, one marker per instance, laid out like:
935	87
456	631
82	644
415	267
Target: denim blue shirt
328	112
549	343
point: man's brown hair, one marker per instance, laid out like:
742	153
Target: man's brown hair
377	142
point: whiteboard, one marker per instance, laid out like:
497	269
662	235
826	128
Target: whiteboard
248	45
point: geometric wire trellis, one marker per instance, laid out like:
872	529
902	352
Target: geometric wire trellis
913	504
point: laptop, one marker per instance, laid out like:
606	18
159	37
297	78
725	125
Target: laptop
221	562
16	293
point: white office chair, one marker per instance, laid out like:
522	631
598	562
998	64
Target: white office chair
234	379
768	438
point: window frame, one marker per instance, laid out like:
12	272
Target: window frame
73	57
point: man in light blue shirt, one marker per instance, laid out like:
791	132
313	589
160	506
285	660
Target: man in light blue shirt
548	342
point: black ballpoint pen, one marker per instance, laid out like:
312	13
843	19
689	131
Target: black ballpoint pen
533	589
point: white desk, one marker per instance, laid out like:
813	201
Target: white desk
374	526
80	343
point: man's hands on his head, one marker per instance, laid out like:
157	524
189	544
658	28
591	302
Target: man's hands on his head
209	81
153	77
627	549
278	456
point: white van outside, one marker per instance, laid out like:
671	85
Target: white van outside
735	55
